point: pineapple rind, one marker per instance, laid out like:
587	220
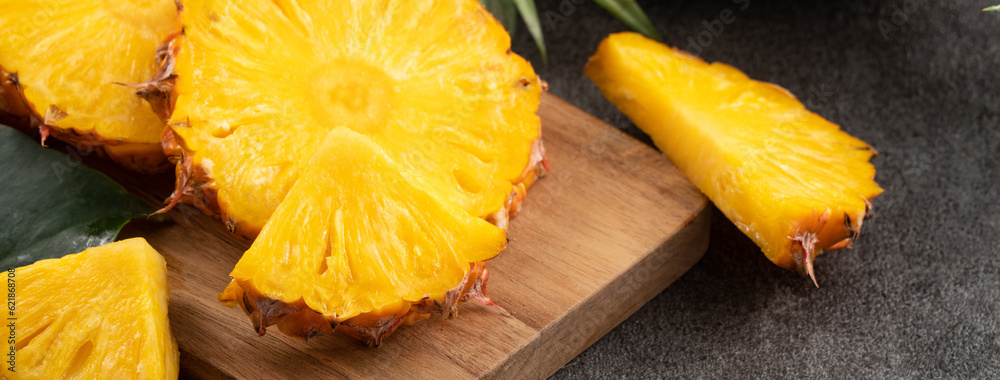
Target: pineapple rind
83	105
197	185
792	181
364	262
13	107
207	181
297	320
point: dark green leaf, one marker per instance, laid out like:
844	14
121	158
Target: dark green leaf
632	15
51	205
504	11
530	15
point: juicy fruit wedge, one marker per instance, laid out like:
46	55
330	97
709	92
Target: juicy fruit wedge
63	64
359	239
433	83
789	179
98	314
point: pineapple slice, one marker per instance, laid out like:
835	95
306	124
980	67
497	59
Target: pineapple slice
97	314
363	243
433	83
62	65
789	179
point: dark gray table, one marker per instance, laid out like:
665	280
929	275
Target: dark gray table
919	296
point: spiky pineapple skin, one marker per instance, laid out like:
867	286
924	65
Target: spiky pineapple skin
195	184
18	111
298	320
14	109
420	255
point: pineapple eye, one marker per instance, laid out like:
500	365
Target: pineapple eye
467	181
82	354
26	340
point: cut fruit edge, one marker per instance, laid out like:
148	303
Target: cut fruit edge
144	306
147	158
301	317
807	236
298	320
196	187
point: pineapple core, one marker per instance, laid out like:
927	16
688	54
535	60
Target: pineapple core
432	83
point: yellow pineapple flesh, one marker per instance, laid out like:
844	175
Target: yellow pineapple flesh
362	243
432	83
791	180
97	314
64	65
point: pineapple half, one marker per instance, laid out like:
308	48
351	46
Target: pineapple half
97	314
62	66
432	83
789	179
361	243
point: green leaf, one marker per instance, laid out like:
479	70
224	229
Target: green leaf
994	8
632	15
504	11
51	205
530	15
628	11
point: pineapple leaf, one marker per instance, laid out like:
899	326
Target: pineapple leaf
994	8
628	11
632	15
504	11
53	205
530	15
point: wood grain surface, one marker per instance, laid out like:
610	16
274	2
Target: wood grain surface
610	227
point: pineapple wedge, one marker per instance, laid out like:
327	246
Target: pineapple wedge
362	243
433	83
63	66
789	179
97	314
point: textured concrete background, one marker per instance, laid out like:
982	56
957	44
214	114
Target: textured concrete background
919	296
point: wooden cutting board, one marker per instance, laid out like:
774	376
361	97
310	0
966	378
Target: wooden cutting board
610	227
